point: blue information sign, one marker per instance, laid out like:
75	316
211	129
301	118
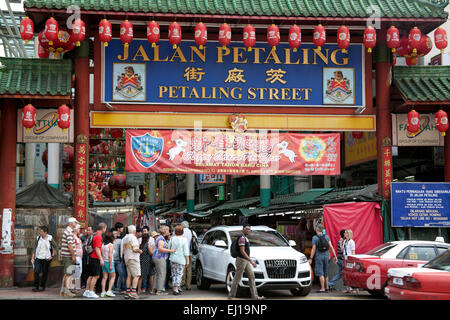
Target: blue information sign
420	204
232	75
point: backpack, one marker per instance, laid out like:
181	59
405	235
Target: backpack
194	245
234	249
322	246
88	247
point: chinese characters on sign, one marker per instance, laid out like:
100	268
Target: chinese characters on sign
387	172
81	195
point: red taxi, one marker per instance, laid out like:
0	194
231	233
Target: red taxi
369	271
430	282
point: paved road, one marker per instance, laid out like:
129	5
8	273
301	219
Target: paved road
216	292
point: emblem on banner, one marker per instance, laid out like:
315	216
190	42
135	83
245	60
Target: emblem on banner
147	149
312	149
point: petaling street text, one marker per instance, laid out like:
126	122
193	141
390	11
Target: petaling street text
236	93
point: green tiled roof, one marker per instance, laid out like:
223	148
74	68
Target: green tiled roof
289	8
423	83
36	77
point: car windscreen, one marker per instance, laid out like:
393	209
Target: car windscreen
381	249
262	238
441	262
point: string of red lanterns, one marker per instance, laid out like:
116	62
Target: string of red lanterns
413	46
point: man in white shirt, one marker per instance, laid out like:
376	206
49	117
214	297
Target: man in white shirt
132	252
187	274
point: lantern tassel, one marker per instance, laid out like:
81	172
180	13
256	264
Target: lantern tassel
106	44
369	50
295	50
153	45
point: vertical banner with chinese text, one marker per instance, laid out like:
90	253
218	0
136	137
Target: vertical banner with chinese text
81	181
387	172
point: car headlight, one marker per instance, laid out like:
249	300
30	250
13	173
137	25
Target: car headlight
303	259
254	260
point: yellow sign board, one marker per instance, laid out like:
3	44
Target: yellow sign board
360	150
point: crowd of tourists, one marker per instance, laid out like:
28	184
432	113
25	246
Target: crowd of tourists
121	260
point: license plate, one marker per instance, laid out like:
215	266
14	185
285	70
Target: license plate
398	281
349	265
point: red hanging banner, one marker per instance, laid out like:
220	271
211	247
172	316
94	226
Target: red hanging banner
387	172
233	153
81	183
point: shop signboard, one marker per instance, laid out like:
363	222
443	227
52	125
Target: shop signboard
212	178
427	135
216	75
420	204
46	128
228	152
360	150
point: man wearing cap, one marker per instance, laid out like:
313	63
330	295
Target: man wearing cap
68	256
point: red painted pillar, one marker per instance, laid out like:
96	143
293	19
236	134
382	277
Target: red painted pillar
447	157
383	113
8	138
81	122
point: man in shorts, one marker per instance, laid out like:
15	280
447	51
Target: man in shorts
132	252
68	256
321	254
95	262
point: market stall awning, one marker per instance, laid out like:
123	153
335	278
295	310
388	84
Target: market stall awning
36	78
238	204
309	195
423	84
331	9
42	195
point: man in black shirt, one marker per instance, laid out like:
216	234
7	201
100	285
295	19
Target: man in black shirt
244	264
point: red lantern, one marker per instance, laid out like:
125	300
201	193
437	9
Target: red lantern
393	38
64	117
78	31
413	124
153	33
343	38
357	135
126	32
28	116
319	36
68	156
441	121
425	45
440	39
106	148
26	29
295	37
43	41
370	38
201	34
404	49
411	61
174	34
105	31
63	43
273	36
249	37
225	34
51	30
414	39
116	133
42	52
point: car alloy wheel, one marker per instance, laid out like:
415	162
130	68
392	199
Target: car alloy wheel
202	282
229	280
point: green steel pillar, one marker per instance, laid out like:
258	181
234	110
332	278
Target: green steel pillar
190	192
264	192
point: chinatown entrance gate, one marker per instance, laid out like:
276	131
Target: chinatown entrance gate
259	102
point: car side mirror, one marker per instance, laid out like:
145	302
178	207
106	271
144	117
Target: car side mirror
220	244
292	243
